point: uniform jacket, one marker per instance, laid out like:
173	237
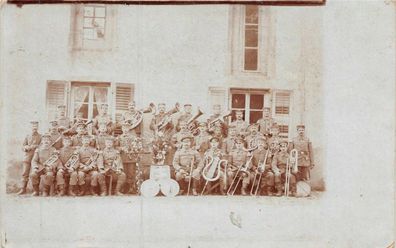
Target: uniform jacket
58	138
85	154
182	159
157	119
100	141
103	119
128	116
40	157
238	157
110	159
64	121
251	139
265	124
30	143
279	162
259	156
64	154
124	146
241	126
304	148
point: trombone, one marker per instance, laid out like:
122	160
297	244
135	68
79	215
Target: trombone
258	175
292	163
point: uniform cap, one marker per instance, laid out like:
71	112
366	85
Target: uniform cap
253	125
187	104
213	138
187	137
61	106
46	135
300	126
283	141
239	111
34	122
54	123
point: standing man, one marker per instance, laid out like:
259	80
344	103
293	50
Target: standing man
187	164
274	141
202	139
129	147
266	122
30	144
129	116
103	118
111	165
305	155
55	135
238	159
45	161
62	173
217	120
186	116
279	163
241	126
63	121
229	142
158	119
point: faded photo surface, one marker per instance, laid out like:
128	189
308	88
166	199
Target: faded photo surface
197	125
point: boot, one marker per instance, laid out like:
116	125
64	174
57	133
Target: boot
293	191
82	190
61	190
23	189
117	189
222	190
46	190
270	191
36	190
194	192
278	190
103	189
243	190
71	190
92	190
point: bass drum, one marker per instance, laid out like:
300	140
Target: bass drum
303	189
169	187
149	188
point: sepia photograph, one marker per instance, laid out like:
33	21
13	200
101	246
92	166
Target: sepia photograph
171	125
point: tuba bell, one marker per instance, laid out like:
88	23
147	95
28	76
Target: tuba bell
168	117
137	117
191	124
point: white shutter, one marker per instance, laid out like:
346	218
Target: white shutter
124	93
281	111
57	94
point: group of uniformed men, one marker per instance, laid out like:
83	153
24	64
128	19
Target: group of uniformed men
78	164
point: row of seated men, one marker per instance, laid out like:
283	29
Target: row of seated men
98	159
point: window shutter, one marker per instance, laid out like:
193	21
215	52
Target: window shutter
56	95
217	95
281	111
282	103
123	95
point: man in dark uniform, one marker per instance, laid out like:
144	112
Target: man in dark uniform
103	118
229	142
216	120
110	164
202	139
85	173
241	126
81	131
101	137
186	116
56	136
129	115
45	161
266	122
162	117
264	167
62	173
305	154
238	158
279	163
30	144
187	160
254	134
129	146
184	131
63	121
274	141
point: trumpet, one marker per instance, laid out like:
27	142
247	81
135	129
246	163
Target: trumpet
208	173
291	167
259	174
168	117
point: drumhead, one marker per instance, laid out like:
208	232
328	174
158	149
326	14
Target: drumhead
149	188
303	189
169	187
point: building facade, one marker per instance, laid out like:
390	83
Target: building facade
242	57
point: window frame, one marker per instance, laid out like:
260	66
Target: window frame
94	6
247	93
259	40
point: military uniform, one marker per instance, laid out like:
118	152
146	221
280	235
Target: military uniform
100	140
202	142
39	168
111	165
182	165
177	137
305	156
55	136
229	144
268	179
279	163
265	125
240	126
104	119
185	117
64	122
86	173
251	139
220	123
238	159
61	172
30	144
129	115
157	120
129	147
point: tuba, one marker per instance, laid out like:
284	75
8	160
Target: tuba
191	125
137	117
168	117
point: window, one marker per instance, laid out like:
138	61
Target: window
86	97
94	22
251	38
281	112
251	102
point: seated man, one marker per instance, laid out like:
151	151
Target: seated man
101	137
110	164
187	165
263	167
66	156
279	163
237	161
45	161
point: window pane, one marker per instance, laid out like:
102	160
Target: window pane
238	101
251	59
88	33
251	14
88	11
95	110
88	22
256	102
83	108
251	36
99	23
255	116
100	11
100	95
81	94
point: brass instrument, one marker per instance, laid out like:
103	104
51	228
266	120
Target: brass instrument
70	130
48	164
291	167
193	127
56	141
208	172
213	122
243	168
259	174
89	165
137	117
168	117
72	161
